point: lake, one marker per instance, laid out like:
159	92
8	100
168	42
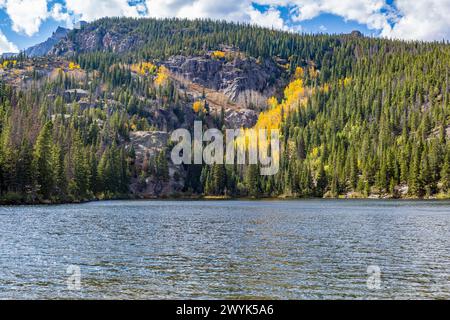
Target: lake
311	249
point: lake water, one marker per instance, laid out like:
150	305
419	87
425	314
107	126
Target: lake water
312	249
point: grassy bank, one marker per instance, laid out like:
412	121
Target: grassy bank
15	200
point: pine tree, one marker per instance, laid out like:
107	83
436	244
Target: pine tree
415	183
218	179
445	172
59	174
322	181
80	186
42	162
252	180
162	166
24	170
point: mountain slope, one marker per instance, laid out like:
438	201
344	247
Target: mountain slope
359	117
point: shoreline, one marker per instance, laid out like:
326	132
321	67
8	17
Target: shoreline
220	198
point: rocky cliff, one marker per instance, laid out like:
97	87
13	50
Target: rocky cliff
236	77
92	37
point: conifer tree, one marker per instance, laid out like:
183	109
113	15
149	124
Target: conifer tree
42	161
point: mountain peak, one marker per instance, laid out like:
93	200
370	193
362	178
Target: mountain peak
43	48
60	29
60	32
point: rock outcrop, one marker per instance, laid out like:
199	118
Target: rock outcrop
244	118
92	37
150	142
232	77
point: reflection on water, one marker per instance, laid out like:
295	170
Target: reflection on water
313	249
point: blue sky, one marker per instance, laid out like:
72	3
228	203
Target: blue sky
26	22
21	39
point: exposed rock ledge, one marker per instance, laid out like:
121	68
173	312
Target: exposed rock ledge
232	77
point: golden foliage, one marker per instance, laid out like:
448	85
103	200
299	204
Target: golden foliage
272	103
299	73
199	106
246	138
162	78
144	68
294	93
294	96
74	66
315	152
313	73
218	54
270	119
345	82
8	63
251	140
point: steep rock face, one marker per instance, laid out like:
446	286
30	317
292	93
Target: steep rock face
93	38
236	119
45	47
148	142
231	77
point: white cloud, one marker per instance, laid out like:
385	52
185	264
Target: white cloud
235	10
230	10
270	19
6	45
58	14
26	15
405	19
369	12
89	10
421	20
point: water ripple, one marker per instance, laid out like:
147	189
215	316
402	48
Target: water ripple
227	250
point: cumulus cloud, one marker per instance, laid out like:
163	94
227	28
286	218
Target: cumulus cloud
89	10
26	15
6	45
420	20
373	13
270	19
230	10
404	19
58	14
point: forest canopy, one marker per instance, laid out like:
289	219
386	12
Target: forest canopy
358	116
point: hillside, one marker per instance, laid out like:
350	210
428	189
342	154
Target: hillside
360	117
